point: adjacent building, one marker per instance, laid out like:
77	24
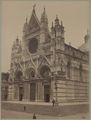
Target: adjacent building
4	85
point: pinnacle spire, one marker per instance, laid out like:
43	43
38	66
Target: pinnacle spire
52	23
56	20
44	16
86	38
61	22
26	19
34	7
56	16
44	8
17	39
87	32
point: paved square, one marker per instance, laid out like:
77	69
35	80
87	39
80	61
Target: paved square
7	114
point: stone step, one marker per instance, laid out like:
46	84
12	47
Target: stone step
60	110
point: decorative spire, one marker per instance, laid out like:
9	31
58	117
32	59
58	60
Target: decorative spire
86	36
17	40
56	16
33	11
61	22
62	27
52	27
26	19
56	21
52	23
44	8
44	16
34	8
87	32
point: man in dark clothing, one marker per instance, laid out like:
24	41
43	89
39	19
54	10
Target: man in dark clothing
34	116
53	102
24	108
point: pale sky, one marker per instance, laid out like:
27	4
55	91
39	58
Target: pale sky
75	17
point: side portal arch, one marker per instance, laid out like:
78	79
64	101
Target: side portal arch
44	71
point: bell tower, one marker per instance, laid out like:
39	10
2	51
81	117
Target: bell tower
57	32
58	44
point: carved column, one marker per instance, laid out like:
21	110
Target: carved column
26	92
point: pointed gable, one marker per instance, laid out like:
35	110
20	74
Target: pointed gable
34	23
42	61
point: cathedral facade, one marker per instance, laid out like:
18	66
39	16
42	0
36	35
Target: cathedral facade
43	67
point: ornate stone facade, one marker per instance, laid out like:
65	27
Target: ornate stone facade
44	67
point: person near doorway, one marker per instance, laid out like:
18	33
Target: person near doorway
24	108
53	102
34	116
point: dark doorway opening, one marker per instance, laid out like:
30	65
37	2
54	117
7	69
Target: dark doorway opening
6	93
32	91
21	93
47	93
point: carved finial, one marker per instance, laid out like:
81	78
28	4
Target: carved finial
56	16
61	22
44	8
87	32
34	6
52	23
17	40
26	19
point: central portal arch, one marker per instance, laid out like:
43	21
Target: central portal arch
45	74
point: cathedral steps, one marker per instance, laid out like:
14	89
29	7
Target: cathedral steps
46	108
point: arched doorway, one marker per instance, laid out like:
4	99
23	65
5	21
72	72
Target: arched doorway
45	74
21	93
47	93
30	75
32	91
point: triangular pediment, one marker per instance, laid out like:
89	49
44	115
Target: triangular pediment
34	23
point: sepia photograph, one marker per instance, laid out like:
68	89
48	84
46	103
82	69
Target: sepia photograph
45	59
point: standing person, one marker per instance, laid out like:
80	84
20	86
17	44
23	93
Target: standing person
24	108
34	116
53	102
